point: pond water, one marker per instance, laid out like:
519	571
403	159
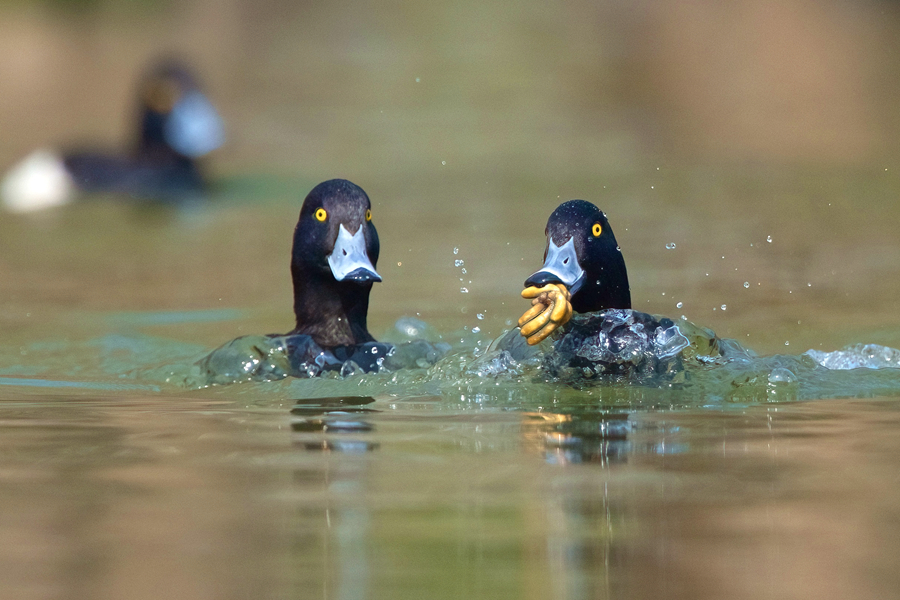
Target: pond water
769	217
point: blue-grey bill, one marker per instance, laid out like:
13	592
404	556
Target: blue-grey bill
194	127
349	260
561	266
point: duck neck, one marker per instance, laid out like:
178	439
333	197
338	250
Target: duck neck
606	289
614	296
332	312
152	144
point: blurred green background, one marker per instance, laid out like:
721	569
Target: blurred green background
712	127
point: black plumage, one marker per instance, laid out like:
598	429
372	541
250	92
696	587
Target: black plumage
608	341
592	268
333	260
329	309
176	126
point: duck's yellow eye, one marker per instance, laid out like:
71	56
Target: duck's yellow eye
597	230
369	215
321	215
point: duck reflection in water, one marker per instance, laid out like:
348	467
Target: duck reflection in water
326	424
588	434
578	436
176	126
337	517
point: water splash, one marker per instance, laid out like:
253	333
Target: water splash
629	359
858	356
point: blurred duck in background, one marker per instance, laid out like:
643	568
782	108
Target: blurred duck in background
177	126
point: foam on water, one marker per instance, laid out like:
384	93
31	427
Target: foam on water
858	356
616	358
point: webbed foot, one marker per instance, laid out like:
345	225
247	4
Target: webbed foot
551	308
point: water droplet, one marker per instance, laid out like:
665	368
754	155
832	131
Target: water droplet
781	375
724	306
463	290
619	249
458	262
670	246
808	285
663	293
479	316
418	79
769	239
476	329
455	250
787	343
463	271
443	162
746	284
679	305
